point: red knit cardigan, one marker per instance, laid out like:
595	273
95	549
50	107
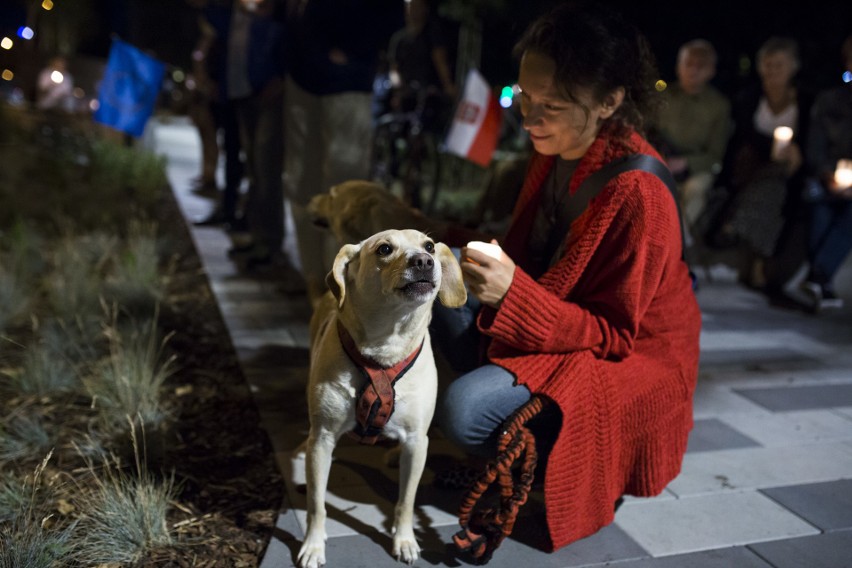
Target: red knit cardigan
610	333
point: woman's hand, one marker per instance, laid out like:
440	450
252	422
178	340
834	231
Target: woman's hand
487	278
791	155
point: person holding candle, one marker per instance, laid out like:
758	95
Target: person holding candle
829	152
606	325
763	170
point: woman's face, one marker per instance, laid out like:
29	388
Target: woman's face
776	69
557	126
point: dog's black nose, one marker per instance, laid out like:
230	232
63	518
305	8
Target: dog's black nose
421	260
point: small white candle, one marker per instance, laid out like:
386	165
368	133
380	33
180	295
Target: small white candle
843	174
492	250
781	137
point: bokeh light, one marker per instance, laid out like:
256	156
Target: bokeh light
57	77
660	85
847	76
47	4
7	75
6	43
25	32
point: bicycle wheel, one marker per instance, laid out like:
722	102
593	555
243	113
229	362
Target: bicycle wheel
384	163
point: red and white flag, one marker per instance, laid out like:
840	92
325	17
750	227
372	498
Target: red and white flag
476	124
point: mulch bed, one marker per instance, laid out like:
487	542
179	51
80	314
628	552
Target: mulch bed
231	488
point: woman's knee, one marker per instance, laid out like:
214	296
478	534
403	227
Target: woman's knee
457	416
474	406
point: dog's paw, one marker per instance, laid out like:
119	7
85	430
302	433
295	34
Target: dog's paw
405	547
313	557
312	553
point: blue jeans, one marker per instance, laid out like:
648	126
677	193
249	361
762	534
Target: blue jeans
473	408
830	238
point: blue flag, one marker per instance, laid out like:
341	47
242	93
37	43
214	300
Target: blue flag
129	89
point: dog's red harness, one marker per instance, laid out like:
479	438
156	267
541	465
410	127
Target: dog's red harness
375	401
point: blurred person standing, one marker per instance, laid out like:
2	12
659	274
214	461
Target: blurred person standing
334	51
693	127
211	75
830	230
418	54
255	85
202	95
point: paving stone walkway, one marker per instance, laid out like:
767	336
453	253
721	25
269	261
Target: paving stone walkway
766	482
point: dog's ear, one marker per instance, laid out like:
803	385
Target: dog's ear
452	292
336	279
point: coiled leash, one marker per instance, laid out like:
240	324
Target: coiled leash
375	401
482	531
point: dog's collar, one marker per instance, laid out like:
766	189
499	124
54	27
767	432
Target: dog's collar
376	398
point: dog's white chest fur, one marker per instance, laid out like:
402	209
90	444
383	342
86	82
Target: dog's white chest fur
338	382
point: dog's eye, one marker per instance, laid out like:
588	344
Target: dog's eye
430	247
384	249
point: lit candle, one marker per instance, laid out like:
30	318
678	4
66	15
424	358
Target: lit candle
492	250
843	174
781	139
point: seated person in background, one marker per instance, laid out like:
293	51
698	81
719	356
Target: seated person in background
693	127
830	231
764	212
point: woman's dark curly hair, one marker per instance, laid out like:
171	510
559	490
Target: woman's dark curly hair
595	48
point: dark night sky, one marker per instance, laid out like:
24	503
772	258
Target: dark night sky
736	28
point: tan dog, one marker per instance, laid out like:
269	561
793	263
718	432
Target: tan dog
357	209
381	294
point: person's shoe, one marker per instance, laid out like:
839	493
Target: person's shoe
217	217
823	297
241	250
830	300
207	189
258	260
237	225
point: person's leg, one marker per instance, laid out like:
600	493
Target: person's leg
694	191
268	222
348	135
201	113
474	406
209	143
454	333
820	221
247	115
304	154
835	244
233	160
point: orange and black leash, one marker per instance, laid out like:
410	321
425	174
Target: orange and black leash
483	530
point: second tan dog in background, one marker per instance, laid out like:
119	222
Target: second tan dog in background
381	296
357	209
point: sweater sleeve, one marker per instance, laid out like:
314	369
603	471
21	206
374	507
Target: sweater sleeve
604	311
